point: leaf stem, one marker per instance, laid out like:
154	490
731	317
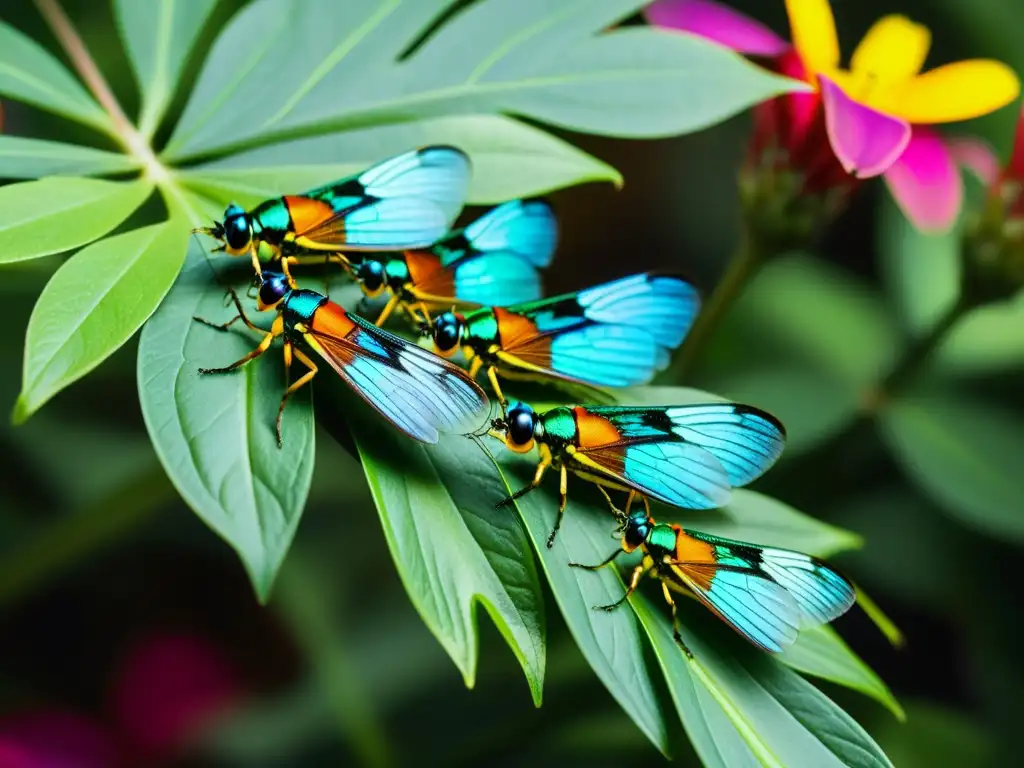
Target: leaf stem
917	353
745	263
87	69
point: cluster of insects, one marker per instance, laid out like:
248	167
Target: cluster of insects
477	291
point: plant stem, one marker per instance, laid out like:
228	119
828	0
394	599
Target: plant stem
916	355
86	67
744	265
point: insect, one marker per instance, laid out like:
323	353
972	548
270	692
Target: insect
415	390
407	201
685	455
765	594
618	334
492	261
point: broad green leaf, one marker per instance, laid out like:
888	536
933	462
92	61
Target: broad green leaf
24	158
322	71
158	36
760	519
990	338
452	547
811	373
964	453
782	719
93	304
215	434
611	642
821	652
29	73
51	215
710	724
510	159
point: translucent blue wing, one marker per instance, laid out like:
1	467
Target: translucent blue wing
745	440
417	391
617	334
496	279
406	202
673	472
525	228
820	592
754	605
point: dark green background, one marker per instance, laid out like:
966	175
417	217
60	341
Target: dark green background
96	549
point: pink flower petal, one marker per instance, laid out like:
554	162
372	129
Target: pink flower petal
717	23
168	688
54	739
926	182
977	157
866	142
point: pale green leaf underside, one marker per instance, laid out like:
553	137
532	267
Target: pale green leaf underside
24	158
157	36
965	453
31	74
451	546
93	304
38	218
550	62
215	434
510	160
783	720
611	642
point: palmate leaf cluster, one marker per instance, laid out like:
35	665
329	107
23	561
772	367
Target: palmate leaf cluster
336	87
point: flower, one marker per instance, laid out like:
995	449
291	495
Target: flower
878	112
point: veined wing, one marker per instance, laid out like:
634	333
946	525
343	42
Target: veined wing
617	334
408	201
746	440
766	594
417	391
524	228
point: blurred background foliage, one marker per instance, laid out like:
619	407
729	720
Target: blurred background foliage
97	552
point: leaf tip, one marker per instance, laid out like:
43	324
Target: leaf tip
22	411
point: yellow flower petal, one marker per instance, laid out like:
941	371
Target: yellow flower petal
814	34
957	91
894	49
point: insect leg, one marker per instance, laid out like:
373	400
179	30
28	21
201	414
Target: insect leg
675	622
607	561
388	309
563	497
492	376
301	382
542	467
240	316
634	580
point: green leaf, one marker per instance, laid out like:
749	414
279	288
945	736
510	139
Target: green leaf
510	160
158	36
215	434
990	338
23	158
93	304
452	547
821	652
964	453
51	215
611	642
760	519
809	373
341	67
782	719
29	73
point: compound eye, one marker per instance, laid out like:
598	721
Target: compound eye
273	289
237	233
371	276
521	421
447	330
